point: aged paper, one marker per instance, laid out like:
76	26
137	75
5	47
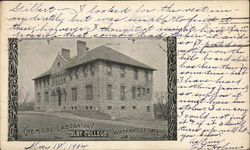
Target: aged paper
124	75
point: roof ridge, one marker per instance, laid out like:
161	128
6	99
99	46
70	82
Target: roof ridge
105	53
126	56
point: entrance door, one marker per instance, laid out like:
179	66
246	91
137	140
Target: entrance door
59	96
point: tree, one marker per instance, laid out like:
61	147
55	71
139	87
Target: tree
24	102
160	100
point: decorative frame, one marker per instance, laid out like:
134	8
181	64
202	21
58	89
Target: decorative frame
172	87
12	89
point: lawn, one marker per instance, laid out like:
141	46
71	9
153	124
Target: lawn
40	127
91	114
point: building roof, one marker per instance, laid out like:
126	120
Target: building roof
101	53
47	73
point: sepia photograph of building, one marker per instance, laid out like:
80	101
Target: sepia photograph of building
100	79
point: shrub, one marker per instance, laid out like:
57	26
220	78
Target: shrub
25	106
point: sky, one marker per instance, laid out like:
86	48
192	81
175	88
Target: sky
35	56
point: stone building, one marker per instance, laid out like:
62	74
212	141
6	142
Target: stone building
100	79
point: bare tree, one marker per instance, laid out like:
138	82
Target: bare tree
24	101
23	97
160	100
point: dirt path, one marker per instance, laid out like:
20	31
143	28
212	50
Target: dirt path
155	124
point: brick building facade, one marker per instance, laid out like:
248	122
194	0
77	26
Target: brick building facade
100	79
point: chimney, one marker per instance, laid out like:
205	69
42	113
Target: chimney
81	48
66	53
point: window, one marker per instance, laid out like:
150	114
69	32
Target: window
148	90
44	82
122	107
89	92
77	73
146	75
136	74
109	69
87	107
133	92
85	71
65	93
70	75
92	69
52	93
38	98
138	92
122	71
134	107
74	94
109	92
73	74
122	92
46	97
90	107
143	91
109	107
148	108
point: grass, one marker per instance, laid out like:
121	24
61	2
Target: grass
57	131
91	114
